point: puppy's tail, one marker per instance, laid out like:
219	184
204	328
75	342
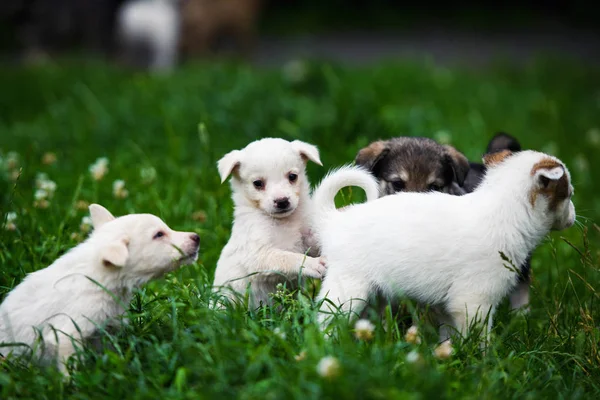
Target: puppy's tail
324	195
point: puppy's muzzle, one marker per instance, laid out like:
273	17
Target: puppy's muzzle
282	203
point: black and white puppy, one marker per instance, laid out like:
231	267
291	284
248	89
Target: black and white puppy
418	164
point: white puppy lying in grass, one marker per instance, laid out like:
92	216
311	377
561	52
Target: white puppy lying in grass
442	250
91	284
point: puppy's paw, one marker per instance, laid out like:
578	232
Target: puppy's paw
314	267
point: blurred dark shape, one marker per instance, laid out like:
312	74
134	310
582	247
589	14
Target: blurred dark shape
210	27
47	27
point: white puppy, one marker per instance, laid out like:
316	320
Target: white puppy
89	285
151	26
442	250
271	197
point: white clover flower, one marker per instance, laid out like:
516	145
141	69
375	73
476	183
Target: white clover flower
11	216
300	356
40	178
328	367
295	71
148	175
412	335
119	190
413	357
86	224
40	194
444	137
364	329
99	168
444	350
49	186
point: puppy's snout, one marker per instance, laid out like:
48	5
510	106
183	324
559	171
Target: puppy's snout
282	203
195	238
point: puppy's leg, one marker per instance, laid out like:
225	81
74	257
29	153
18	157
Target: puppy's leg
466	313
343	294
519	298
64	350
290	263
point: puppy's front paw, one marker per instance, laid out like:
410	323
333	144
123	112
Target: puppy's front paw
315	267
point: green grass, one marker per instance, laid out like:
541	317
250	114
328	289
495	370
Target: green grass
175	345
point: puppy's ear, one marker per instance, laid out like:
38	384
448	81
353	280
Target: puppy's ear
115	254
99	215
372	154
307	151
503	141
229	163
547	175
459	163
489	160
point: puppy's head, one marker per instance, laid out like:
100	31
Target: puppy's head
548	182
269	174
141	246
414	164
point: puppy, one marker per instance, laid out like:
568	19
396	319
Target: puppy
148	33
88	286
270	192
445	251
414	164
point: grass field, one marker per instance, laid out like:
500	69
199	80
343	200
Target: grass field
163	136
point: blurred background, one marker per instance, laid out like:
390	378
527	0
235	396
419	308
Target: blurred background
162	34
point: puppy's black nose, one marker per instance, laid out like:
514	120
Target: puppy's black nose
282	203
195	238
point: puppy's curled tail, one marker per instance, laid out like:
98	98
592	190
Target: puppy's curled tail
347	175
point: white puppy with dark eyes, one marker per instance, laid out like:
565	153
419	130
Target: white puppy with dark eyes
87	287
272	208
442	250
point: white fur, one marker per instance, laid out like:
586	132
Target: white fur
155	23
440	249
64	304
267	247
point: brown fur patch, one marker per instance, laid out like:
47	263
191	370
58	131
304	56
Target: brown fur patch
546	163
369	156
496	158
557	190
461	164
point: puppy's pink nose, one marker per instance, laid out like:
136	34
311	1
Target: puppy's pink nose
282	203
195	238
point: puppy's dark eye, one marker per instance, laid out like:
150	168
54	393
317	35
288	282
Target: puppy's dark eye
435	187
292	177
158	235
398	185
258	184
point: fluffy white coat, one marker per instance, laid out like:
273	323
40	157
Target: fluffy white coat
444	250
64	304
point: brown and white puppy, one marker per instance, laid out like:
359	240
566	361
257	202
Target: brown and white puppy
417	164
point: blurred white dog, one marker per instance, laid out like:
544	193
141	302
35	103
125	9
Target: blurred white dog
148	33
271	195
89	285
446	251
